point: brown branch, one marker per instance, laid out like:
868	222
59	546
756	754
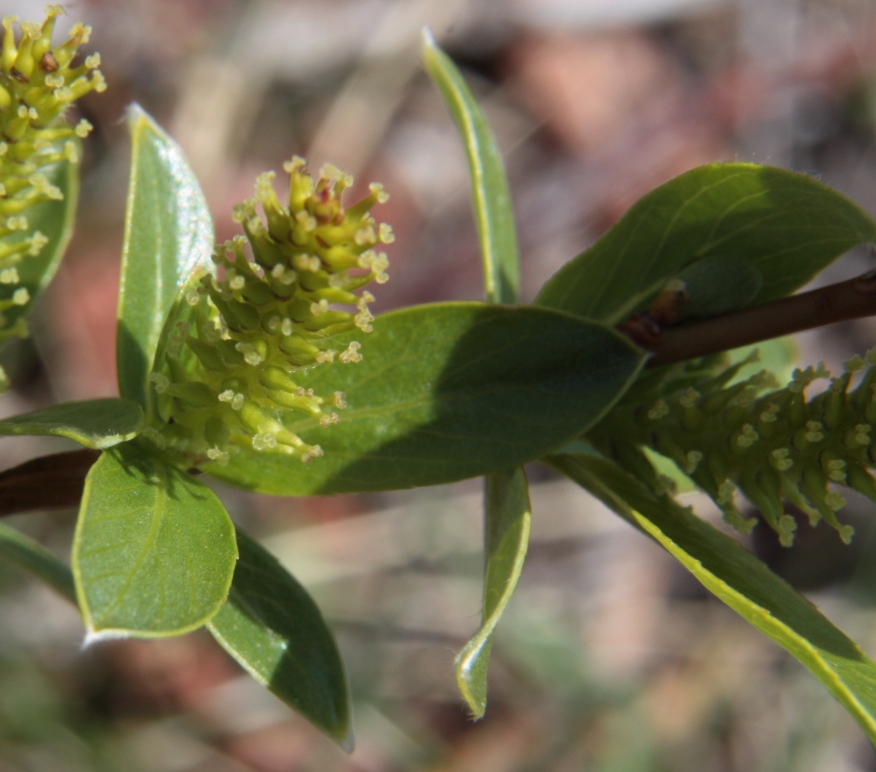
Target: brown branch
49	482
851	299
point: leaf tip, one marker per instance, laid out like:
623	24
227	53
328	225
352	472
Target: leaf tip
472	689
93	636
135	114
348	741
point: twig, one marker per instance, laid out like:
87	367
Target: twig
851	299
49	482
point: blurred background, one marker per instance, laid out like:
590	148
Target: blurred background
610	658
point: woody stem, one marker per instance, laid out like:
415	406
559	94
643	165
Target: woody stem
49	482
851	299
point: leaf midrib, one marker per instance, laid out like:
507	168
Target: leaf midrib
159	511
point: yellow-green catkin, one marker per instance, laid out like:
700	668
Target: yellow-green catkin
772	447
38	82
282	293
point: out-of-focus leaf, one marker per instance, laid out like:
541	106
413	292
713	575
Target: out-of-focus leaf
445	392
739	579
96	423
31	555
491	196
272	627
168	234
154	550
507	520
781	228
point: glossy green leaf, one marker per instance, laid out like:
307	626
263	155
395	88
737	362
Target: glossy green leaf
96	423
154	550
272	627
739	579
31	555
507	520
506	500
491	196
54	219
168	234
783	229
445	392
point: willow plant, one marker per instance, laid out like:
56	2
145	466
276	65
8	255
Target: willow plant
258	362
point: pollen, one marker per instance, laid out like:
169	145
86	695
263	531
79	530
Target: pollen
306	263
836	470
854	365
319	308
378	192
37	242
747	436
351	353
83	129
726	491
658	410
781	459
689	397
327	355
264	441
160	381
385	234
249	352
835	501
692	461
218	455
284	275
329	419
814	433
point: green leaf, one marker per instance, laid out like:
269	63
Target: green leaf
96	423
272	627
786	227
506	500
506	505
28	554
449	391
508	516
739	579
490	194
54	219
154	550
168	234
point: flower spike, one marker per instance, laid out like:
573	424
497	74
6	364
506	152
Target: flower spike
773	447
281	295
38	83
